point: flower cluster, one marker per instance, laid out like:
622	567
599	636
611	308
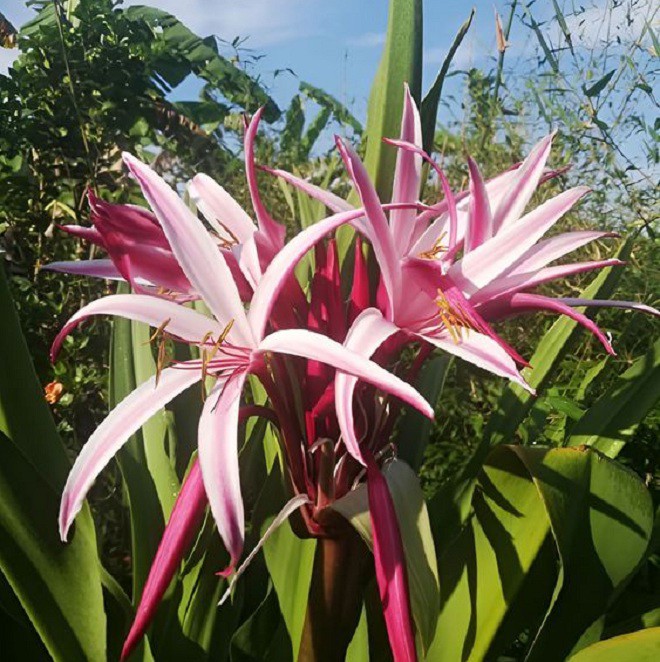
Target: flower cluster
328	353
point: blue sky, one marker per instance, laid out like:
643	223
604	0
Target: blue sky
334	45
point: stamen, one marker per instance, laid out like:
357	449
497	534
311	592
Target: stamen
208	354
453	317
437	248
226	243
163	358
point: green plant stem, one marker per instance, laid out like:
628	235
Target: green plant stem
72	90
335	598
500	59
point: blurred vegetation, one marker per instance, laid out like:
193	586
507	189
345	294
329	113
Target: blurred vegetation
594	65
94	78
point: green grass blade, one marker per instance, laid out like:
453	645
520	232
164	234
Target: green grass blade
429	110
146	513
610	423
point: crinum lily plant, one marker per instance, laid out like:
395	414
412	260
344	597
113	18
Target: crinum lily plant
328	353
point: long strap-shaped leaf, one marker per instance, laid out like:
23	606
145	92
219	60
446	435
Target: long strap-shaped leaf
400	63
429	110
150	481
59	586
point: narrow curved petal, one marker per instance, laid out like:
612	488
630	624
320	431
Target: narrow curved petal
482	351
360	288
495	189
520	282
283	264
218	458
490	259
333	202
271	229
610	303
524	303
369	331
95	268
179	534
238	272
220	209
452	209
552	249
81	232
248	261
183	323
449	201
527	179
480	219
390	562
194	249
407	175
125	419
378	231
308	345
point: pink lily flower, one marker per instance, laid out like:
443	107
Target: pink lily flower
234	344
136	245
140	253
465	262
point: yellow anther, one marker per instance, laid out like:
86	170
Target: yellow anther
208	353
453	318
162	357
227	243
437	248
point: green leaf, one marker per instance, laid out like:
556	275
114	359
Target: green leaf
642	646
414	429
184	52
595	89
400	63
157	432
58	585
429	110
611	422
358	649
146	512
289	559
654	40
327	101
599	517
547	51
294	124
483	570
561	20
416	536
263	636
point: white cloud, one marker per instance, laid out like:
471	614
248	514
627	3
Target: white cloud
7	57
367	40
265	22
